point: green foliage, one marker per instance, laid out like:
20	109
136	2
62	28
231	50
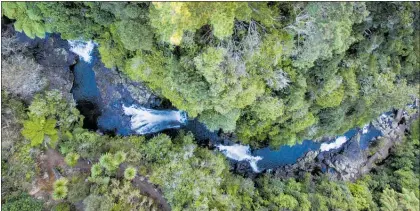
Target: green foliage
111	162
28	16
135	35
172	19
332	99
107	161
60	189
391	200
35	129
130	173
120	157
61	207
324	29
232	64
46	112
59	193
97	202
361	194
22	202
71	159
62	182
78	189
109	192
96	170
214	120
52	104
18	166
189	179
272	73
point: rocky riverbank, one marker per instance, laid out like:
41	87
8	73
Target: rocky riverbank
30	66
350	161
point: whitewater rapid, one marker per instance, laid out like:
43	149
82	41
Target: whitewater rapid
82	48
145	121
334	145
240	153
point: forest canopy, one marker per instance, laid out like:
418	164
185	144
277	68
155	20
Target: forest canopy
263	73
273	73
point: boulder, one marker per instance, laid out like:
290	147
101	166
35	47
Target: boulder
116	87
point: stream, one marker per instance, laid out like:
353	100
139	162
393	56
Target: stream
129	117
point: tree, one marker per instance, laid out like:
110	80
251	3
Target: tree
323	30
135	35
71	159
60	189
35	129
130	173
28	18
171	20
22	202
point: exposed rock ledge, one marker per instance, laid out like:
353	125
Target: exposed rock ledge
30	66
350	161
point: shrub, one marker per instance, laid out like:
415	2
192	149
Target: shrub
22	202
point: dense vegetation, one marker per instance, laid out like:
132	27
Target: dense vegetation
271	73
274	73
190	177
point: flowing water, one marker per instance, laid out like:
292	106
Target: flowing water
128	117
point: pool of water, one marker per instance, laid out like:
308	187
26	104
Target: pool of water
110	117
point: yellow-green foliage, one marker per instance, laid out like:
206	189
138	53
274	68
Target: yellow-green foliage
228	63
60	189
28	18
172	19
71	159
36	128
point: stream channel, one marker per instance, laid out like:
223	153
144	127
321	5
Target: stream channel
125	116
115	119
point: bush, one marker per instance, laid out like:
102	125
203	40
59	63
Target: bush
22	203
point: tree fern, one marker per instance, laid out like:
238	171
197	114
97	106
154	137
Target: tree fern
72	158
130	173
59	193
119	157
96	170
107	161
36	128
62	182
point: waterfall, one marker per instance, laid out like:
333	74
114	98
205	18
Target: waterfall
145	121
365	129
83	49
334	145
239	153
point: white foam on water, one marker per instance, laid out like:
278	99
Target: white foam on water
334	145
144	120
240	153
82	48
365	129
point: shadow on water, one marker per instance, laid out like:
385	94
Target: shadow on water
91	112
109	118
86	93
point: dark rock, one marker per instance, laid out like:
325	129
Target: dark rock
350	161
243	168
31	66
113	86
